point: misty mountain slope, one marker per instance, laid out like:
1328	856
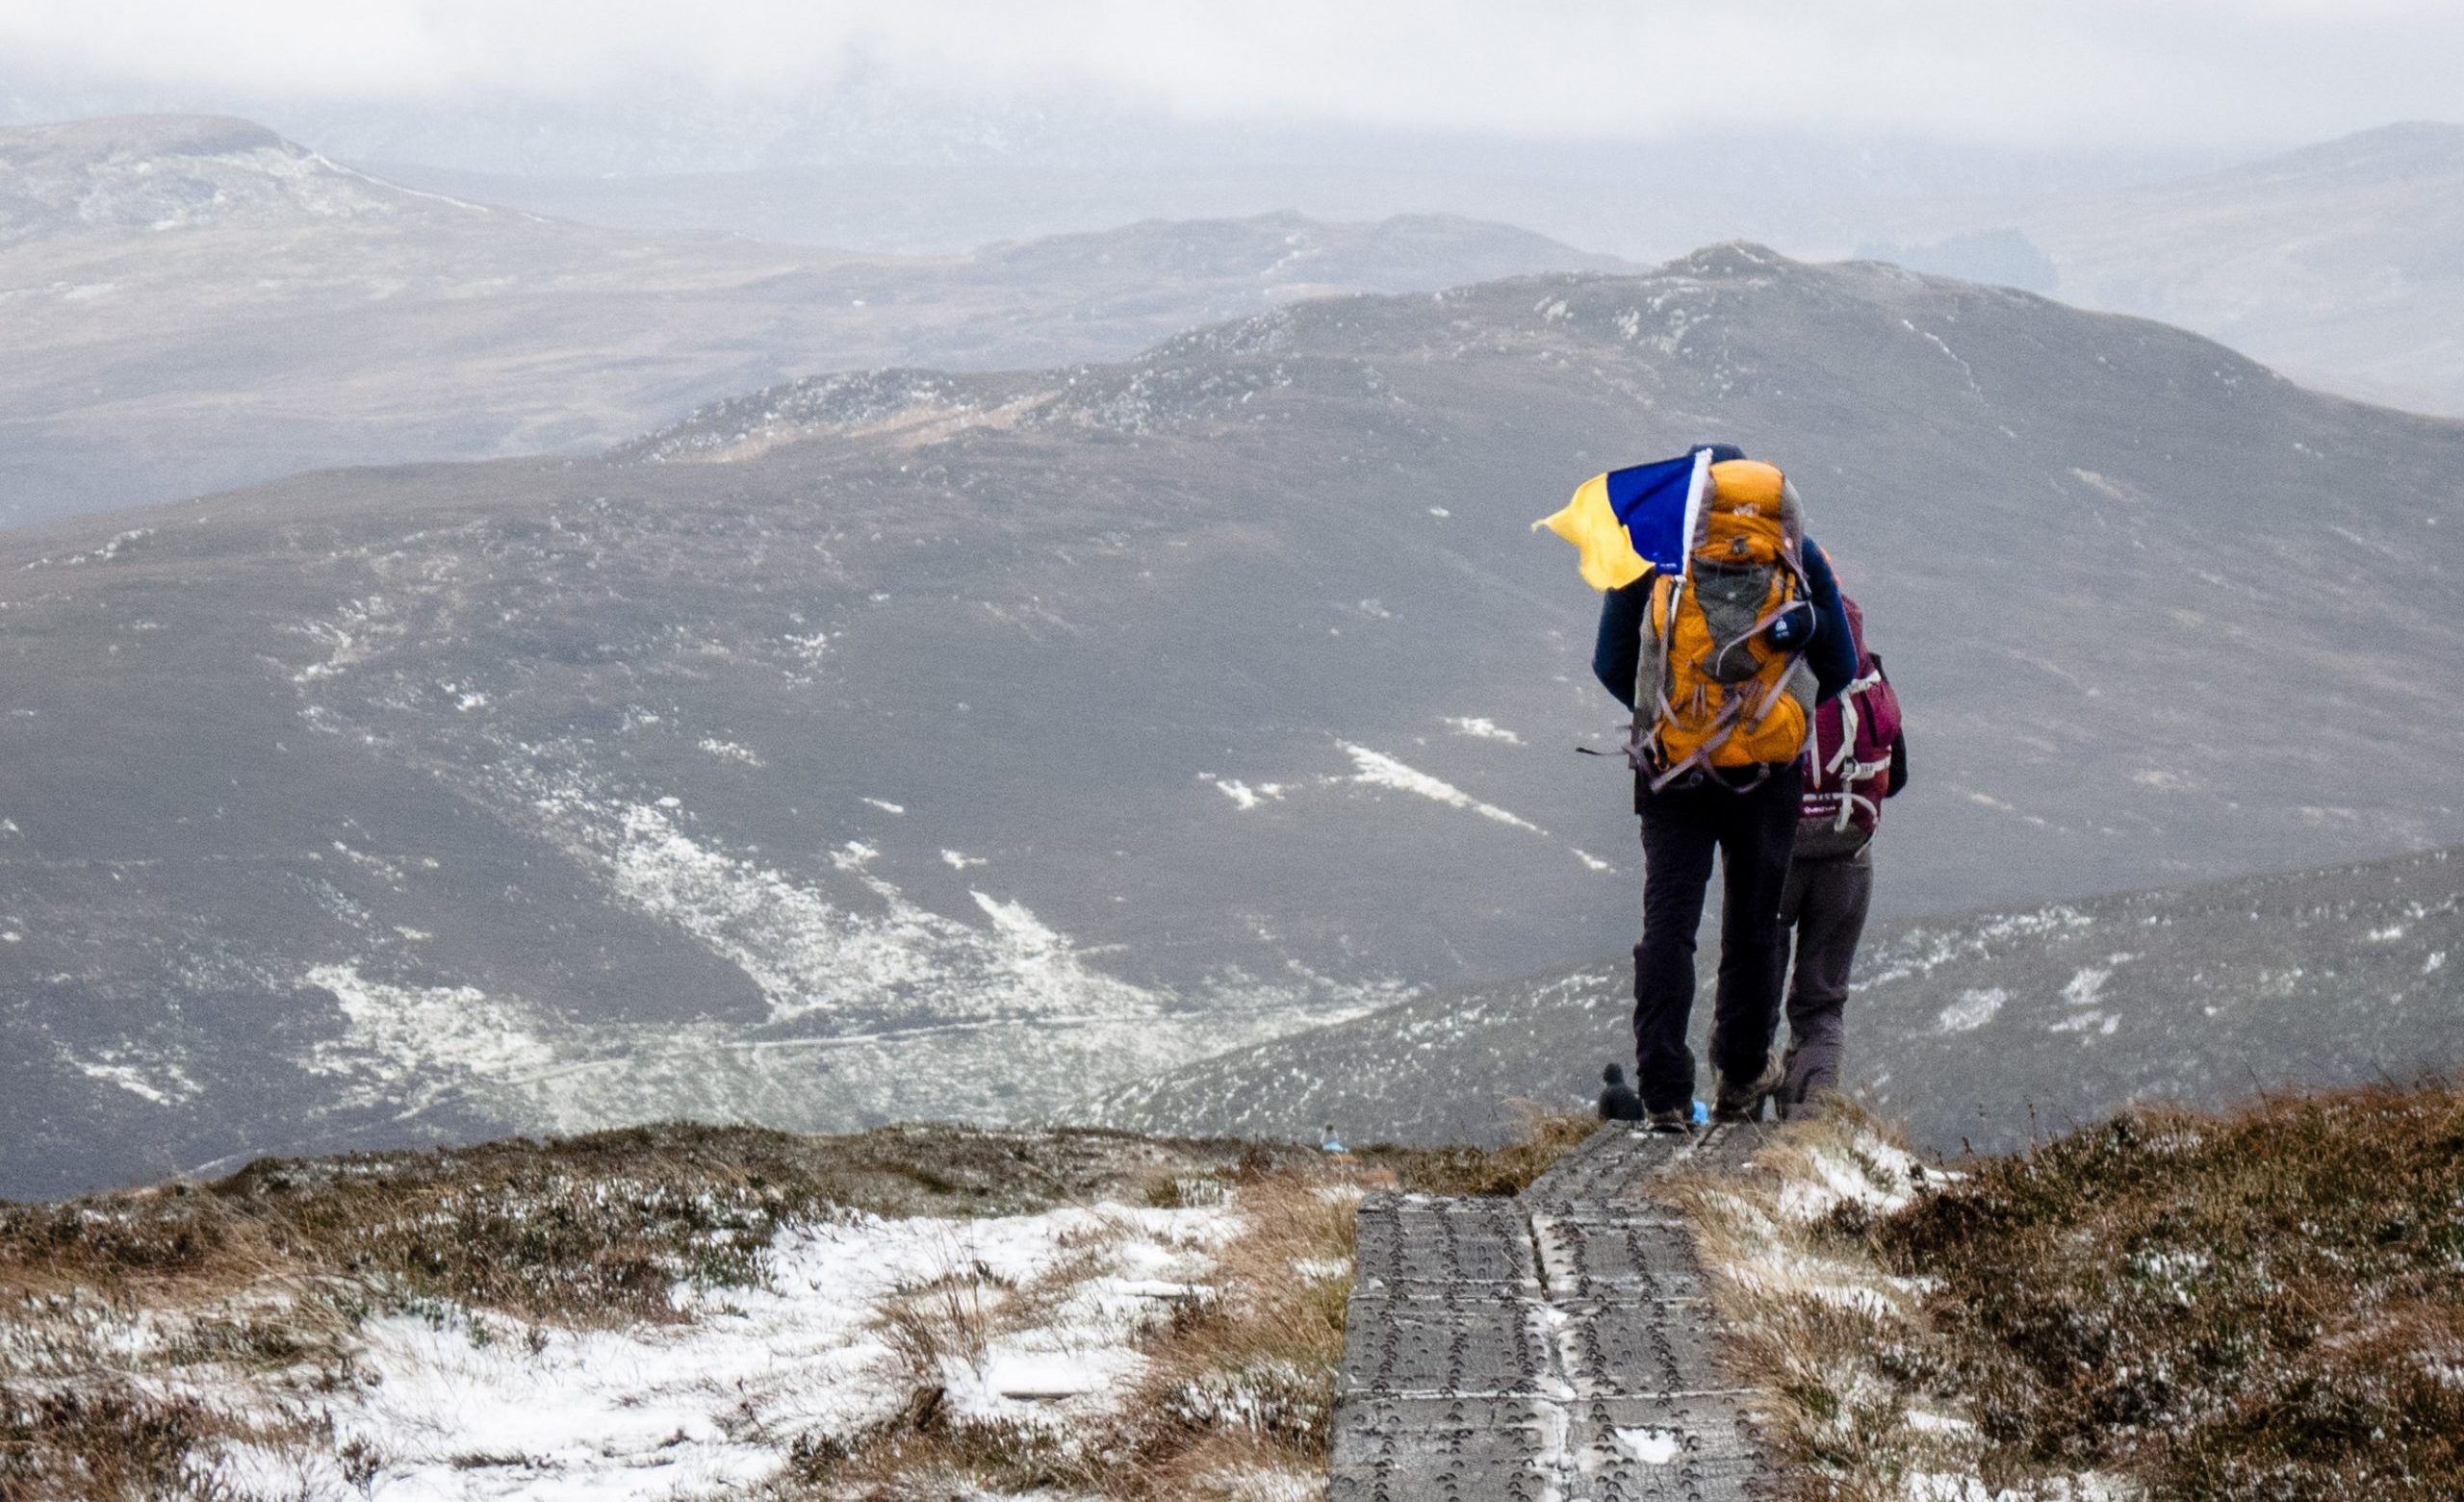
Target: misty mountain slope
1973	1031
916	744
2340	264
195	304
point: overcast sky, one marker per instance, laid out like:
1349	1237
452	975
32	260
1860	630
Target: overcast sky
2037	73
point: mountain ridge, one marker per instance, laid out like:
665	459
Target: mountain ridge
2337	263
1103	718
201	303
2399	148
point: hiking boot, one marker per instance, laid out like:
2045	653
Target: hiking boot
1744	1101
1676	1118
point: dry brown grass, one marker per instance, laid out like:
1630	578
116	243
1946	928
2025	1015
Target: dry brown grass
113	1439
1237	1398
1245	1382
945	1322
1541	1137
271	1269
1238	1383
584	1230
2257	1305
2254	1306
109	1443
1834	1346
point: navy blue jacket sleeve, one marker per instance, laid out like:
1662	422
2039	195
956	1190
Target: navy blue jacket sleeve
1618	655
1833	651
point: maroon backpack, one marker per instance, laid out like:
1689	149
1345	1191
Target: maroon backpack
1848	757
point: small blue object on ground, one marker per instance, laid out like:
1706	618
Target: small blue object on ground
1701	1113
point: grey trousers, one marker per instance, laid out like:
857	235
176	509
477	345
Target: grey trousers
1822	915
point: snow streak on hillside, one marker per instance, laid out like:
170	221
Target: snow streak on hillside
810	956
875	1008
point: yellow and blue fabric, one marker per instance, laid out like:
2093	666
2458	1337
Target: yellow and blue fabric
1627	521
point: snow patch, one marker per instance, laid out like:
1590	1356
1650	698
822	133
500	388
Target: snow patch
1245	796
1480	727
866	1005
729	751
810	955
412	1045
1972	1010
453	1410
158	1081
1880	1176
1650	1447
2087	987
1959	1487
358	631
1378	770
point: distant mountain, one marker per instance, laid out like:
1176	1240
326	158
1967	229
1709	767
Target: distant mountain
159	174
196	303
2341	264
903	186
925	743
1979	1031
1999	258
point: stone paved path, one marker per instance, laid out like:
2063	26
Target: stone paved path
1555	1347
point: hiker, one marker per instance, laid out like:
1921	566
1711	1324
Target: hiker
1855	756
1618	1101
1716	602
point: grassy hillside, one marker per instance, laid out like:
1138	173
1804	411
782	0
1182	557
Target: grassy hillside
693	1312
2260	1304
2234	1307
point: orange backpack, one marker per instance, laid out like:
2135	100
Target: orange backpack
1714	693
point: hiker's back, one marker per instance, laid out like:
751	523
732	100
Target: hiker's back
1717	688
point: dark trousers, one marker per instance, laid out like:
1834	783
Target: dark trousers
1754	834
1823	906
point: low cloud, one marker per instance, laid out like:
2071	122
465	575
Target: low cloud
2087	72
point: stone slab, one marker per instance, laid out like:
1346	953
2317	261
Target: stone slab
1633	1350
1471	1449
1612	1164
1557	1347
1723	1149
1449	1347
1699	1448
1615	1254
1459	1241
